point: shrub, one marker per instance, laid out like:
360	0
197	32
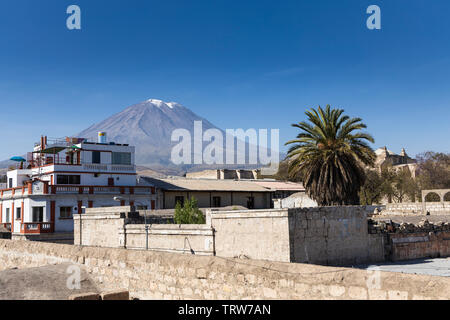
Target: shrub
189	213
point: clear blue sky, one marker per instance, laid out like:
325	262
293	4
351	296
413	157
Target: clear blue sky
240	64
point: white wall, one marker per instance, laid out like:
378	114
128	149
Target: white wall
18	176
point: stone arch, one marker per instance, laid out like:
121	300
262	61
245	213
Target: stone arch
447	196
442	194
432	197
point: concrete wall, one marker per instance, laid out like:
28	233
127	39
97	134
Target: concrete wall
120	227
100	226
256	234
161	275
196	239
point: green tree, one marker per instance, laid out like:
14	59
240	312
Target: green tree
330	153
189	213
433	170
397	184
372	190
404	187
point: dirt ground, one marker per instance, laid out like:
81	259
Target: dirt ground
42	283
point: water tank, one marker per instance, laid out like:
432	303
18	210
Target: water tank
102	137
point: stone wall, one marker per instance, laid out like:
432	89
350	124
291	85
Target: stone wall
325	235
161	275
406	241
322	235
121	227
419	245
332	236
417	207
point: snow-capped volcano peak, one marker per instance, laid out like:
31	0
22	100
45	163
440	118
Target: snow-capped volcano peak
160	104
148	125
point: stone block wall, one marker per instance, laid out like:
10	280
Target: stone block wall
332	236
417	207
325	235
162	275
419	245
322	235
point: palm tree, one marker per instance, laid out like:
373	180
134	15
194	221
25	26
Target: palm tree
330	156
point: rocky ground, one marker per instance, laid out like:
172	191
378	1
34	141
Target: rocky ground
412	218
408	223
42	283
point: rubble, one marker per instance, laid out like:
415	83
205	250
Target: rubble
388	226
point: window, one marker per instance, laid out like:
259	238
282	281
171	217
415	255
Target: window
179	199
96	156
18	213
121	158
7	215
38	214
67	179
10	183
216	202
65	212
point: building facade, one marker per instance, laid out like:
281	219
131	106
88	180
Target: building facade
387	158
62	177
216	193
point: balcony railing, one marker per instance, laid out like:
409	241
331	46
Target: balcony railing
10	193
42	189
61	189
51	161
37	227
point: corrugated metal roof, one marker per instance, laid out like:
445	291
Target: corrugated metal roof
280	185
206	185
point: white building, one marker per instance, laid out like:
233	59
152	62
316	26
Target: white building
61	177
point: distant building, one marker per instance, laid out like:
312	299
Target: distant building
400	161
64	175
223	174
210	193
221	192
